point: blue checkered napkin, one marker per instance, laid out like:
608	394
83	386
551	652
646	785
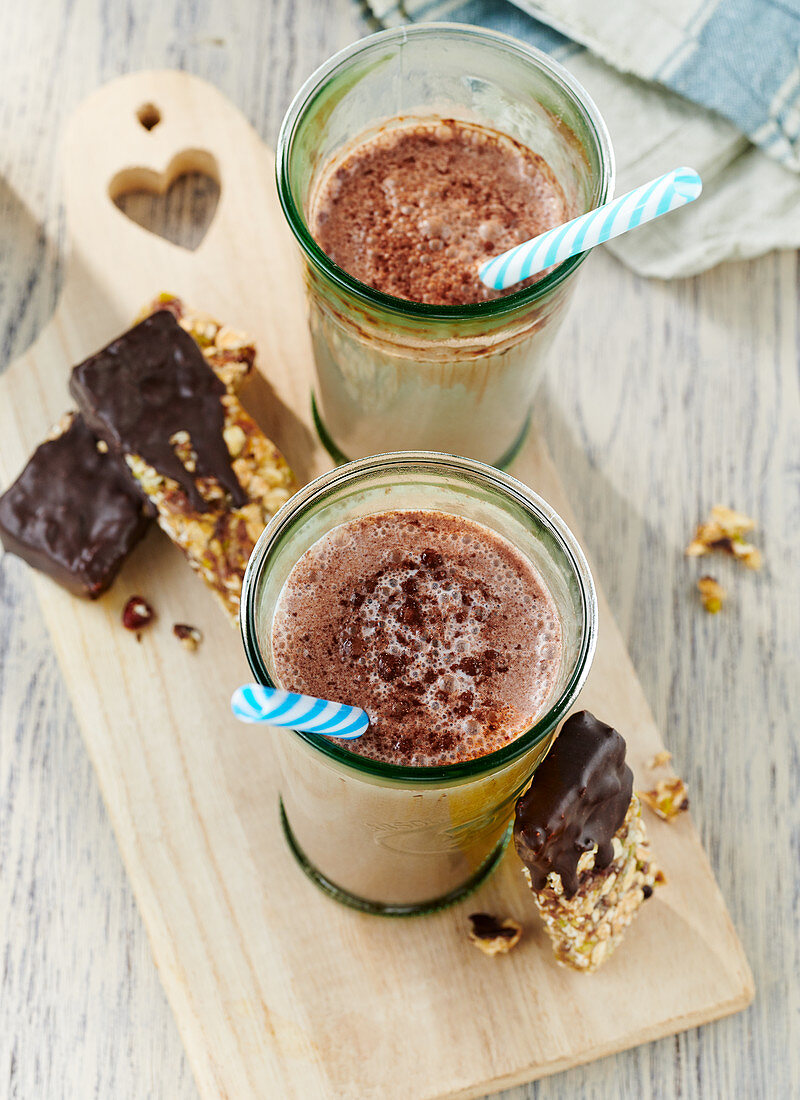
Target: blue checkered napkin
678	82
740	58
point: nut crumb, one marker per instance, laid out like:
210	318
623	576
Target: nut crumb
724	530
494	935
660	760
668	798
712	594
102	447
189	636
235	440
136	615
59	429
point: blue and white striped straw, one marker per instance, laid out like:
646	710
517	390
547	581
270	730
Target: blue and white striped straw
660	196
275	707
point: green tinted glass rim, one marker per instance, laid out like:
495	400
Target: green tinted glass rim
495	307
443	464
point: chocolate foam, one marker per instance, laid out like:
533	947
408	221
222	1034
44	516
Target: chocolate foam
413	210
438	627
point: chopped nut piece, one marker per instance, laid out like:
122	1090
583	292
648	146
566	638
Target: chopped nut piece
137	614
61	428
493	935
668	799
235	440
660	760
712	594
732	523
748	554
189	636
724	530
585	929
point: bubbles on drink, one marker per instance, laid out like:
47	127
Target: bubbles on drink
437	626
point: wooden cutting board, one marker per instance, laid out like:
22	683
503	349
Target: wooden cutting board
277	990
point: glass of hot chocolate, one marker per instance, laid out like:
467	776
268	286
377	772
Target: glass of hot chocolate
453	605
405	161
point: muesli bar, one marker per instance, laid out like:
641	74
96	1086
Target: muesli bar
73	513
580	833
230	354
586	928
200	459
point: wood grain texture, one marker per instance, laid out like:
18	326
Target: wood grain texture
689	395
240	938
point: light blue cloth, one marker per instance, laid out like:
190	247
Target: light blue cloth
740	58
678	82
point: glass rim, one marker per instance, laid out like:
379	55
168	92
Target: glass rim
510	486
367	295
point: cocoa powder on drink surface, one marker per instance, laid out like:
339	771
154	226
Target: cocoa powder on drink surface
437	626
414	210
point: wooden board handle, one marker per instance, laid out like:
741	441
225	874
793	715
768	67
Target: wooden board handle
143	131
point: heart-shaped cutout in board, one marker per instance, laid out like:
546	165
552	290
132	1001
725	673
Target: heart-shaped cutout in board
178	204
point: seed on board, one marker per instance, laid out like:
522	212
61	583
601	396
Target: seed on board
189	636
137	614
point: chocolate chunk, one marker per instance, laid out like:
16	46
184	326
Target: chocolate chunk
578	798
74	513
145	387
493	935
486	927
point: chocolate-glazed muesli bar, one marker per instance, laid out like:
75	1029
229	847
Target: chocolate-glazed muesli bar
580	833
230	354
74	512
200	459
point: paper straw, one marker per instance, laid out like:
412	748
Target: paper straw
275	707
651	200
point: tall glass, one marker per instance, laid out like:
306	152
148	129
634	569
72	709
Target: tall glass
388	838
399	375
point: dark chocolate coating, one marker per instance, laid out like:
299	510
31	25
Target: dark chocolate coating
73	513
578	798
487	927
145	386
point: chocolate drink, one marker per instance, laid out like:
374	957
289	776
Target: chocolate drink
455	606
414	210
437	626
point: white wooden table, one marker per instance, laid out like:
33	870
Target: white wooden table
662	399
